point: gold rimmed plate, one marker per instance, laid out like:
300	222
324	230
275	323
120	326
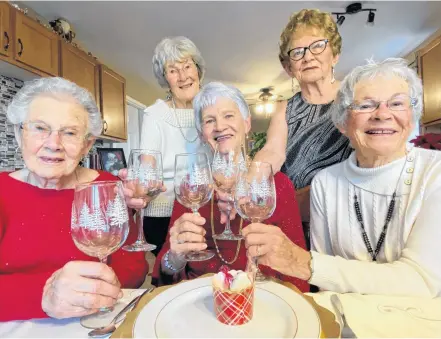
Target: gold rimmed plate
186	311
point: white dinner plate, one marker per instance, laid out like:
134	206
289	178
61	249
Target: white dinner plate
186	311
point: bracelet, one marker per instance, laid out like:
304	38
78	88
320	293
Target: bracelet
168	264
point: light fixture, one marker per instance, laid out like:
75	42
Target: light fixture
259	109
340	19
371	18
269	108
354	9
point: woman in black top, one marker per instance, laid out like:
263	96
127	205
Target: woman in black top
301	138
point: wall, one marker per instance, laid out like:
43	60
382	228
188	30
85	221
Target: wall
10	155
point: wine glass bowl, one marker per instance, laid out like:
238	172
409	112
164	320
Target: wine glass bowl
145	179
225	169
100	220
193	185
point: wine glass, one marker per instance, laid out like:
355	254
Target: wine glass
225	167
100	223
255	196
144	178
193	188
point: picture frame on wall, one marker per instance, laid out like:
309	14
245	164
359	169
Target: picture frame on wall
112	159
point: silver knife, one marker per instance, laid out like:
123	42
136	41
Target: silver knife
346	331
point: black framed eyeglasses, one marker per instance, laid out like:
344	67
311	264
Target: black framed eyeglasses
315	48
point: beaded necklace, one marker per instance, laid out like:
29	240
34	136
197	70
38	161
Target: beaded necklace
390	211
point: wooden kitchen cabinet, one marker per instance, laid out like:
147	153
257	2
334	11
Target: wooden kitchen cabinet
113	104
35	45
5	29
430	72
80	68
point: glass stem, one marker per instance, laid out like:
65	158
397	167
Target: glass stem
227	223
139	223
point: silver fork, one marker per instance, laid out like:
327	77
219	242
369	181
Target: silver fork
346	331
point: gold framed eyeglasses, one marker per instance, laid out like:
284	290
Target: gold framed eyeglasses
398	103
317	47
41	131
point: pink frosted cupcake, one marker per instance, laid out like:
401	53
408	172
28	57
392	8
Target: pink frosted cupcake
233	293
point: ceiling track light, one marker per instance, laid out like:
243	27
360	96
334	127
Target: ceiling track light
355	8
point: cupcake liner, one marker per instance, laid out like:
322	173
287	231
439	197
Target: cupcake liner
234	308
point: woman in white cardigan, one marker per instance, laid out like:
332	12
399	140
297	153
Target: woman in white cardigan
169	126
375	218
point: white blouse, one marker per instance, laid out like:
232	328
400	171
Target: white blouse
161	132
409	262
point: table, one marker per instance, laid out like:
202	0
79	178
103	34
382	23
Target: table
369	316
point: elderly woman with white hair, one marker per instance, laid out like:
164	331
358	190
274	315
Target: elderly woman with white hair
42	272
169	125
374	217
221	110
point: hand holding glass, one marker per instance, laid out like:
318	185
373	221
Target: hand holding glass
144	178
255	196
100	219
193	188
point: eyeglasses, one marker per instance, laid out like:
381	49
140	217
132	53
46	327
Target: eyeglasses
174	71
42	131
315	48
400	103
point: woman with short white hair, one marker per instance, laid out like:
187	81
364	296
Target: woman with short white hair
374	217
223	119
56	123
169	125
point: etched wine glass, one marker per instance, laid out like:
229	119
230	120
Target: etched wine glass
193	186
99	223
144	178
255	196
225	167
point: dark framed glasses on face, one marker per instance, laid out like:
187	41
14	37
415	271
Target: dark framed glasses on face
398	103
315	48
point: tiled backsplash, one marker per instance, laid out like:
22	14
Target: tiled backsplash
10	156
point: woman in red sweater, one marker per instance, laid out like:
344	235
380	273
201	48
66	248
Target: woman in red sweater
42	273
223	118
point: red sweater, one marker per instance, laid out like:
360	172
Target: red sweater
35	241
286	216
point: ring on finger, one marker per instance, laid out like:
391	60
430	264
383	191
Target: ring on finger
258	250
179	241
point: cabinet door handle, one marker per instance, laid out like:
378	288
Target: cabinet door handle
105	125
6	46
20	52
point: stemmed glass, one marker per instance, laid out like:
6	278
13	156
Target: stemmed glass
225	169
193	188
255	196
100	222
144	178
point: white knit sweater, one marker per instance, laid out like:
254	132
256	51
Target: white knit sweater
160	132
409	262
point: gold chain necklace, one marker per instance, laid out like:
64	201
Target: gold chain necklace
215	243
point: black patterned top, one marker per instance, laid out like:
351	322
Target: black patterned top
313	141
